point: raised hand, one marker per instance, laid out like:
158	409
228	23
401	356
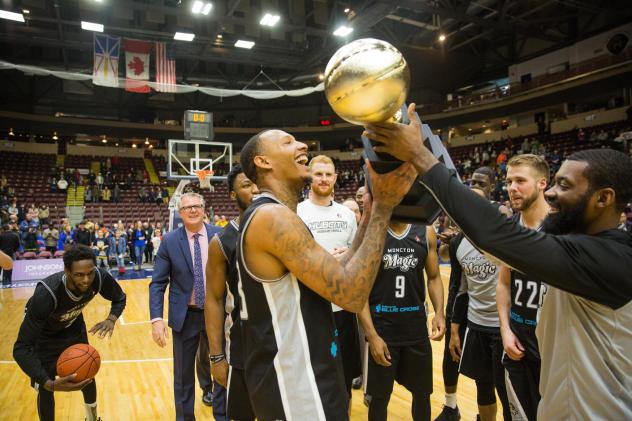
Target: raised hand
389	189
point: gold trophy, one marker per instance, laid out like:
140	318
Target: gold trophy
367	81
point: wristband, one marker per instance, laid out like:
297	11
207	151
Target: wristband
217	358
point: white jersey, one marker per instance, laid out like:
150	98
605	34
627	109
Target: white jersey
333	226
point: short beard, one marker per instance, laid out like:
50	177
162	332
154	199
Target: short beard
528	201
567	221
241	204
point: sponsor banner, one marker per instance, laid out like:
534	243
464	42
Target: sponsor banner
35	270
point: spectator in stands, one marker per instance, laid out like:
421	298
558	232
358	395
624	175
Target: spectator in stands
164	194
581	136
51	237
83	235
142	194
526	145
149	248
87	196
30	239
106	194
33	212
52	182
65	238
96	193
223	221
120	248
116	193
623	221
156	239
76	177
216	221
502	158
13	208
140	242
62	185
158	195
99	180
151	195
43	213
9	245
100	247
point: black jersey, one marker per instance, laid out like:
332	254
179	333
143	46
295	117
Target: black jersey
527	295
52	310
291	358
232	325
397	300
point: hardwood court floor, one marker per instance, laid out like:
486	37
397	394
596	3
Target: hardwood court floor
135	382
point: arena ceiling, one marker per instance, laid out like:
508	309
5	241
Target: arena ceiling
482	38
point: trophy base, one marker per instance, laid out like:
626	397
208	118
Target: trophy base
418	206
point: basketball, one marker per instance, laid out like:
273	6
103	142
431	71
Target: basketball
82	359
366	81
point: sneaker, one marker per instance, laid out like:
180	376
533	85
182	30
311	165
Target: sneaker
357	383
449	414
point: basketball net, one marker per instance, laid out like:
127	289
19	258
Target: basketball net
205	178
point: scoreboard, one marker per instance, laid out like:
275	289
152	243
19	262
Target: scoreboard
198	125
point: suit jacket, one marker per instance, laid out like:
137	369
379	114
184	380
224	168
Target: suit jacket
174	267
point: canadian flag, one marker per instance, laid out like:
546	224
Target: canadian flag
137	65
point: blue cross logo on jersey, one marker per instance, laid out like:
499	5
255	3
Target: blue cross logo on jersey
334	349
378	308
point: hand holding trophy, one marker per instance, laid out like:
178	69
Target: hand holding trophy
366	82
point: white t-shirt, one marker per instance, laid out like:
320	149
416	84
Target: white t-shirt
333	226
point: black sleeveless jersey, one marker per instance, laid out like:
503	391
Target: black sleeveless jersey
292	360
527	295
232	324
397	300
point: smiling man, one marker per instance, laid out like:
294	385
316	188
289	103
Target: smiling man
585	326
292	360
333	227
53	321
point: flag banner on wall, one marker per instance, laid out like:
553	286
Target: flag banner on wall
137	65
106	60
165	68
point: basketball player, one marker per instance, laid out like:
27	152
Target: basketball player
359	197
292	360
222	304
395	322
483	179
480	353
518	296
584	332
333	227
53	321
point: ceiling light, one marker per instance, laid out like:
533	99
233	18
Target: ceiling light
441	38
321	76
183	36
201	7
269	20
343	31
104	140
55	136
347	10
18	17
89	26
220	36
11	132
244	44
116	144
146	141
133	145
151	146
26	11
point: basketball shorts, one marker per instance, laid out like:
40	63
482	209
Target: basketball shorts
48	348
522	379
481	353
347	330
238	406
411	366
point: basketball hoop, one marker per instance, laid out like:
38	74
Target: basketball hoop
205	178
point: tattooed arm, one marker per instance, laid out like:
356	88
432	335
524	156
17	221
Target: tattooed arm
277	241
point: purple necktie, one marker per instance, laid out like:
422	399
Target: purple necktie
198	275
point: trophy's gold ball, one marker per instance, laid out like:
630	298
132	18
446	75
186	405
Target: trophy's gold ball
366	81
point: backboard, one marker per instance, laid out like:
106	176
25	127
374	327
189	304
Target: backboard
185	157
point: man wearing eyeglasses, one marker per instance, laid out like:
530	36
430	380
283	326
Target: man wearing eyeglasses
180	264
